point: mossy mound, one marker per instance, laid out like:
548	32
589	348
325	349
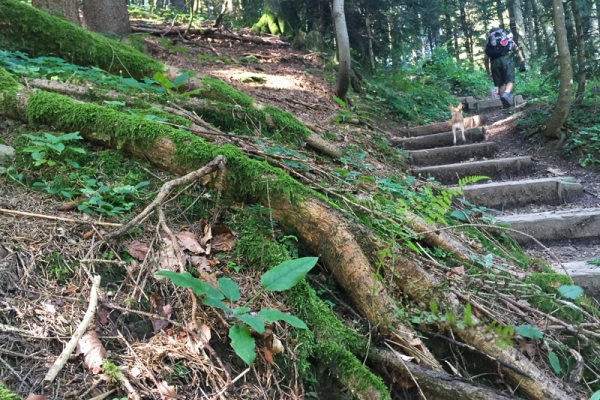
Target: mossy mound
23	28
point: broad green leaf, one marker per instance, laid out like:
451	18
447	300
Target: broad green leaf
212	302
74	135
554	362
242	342
185	280
51	138
468	316
229	288
255	323
459	215
58	147
570	292
529	331
163	80
272	315
241	310
287	274
596	396
181	79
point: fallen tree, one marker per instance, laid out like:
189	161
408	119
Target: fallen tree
350	250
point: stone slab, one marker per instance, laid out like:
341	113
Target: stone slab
466	99
582	274
469	122
501	168
444	139
478	105
454	154
560	225
500	195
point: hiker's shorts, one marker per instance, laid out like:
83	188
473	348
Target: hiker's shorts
503	70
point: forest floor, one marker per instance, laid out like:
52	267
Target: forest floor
272	74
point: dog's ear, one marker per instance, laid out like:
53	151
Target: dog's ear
451	107
459	106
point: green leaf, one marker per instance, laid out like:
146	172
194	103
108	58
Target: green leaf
596	396
272	315
570	292
468	316
163	80
240	310
287	274
256	323
212	302
74	135
554	362
58	147
529	331
181	79
229	288
339	101
185	280
242	342
51	138
459	215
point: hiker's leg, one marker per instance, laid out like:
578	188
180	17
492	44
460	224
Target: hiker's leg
501	89
508	87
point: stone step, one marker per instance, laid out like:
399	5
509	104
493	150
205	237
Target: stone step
466	99
582	274
454	154
551	191
444	139
502	168
556	225
469	122
479	105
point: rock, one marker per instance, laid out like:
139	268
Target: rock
7	153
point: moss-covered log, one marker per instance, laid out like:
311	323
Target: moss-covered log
26	29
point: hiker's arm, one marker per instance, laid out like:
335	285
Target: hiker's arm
486	62
519	53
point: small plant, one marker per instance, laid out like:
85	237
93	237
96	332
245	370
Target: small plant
174	86
112	371
51	150
109	200
280	278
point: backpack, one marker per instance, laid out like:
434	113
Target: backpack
499	42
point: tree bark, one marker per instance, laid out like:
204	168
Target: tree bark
541	45
371	55
581	70
466	31
107	16
563	103
66	8
343	46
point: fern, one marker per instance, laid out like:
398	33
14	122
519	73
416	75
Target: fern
470	179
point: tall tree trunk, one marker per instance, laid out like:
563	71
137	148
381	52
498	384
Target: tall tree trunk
581	71
516	21
541	45
371	55
466	31
529	30
107	16
500	12
65	8
343	46
561	110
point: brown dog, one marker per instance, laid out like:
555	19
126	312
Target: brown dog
457	121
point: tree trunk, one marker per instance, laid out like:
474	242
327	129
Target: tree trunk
500	12
581	70
65	8
371	55
343	45
541	45
466	31
529	26
561	110
516	23
106	17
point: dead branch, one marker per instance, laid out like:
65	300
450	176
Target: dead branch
81	329
53	218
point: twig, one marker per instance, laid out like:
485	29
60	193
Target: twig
85	322
132	392
15	373
409	372
51	217
232	382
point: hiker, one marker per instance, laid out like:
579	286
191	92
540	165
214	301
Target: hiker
497	48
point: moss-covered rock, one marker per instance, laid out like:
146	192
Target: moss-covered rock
36	33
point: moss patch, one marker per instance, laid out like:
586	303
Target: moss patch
36	33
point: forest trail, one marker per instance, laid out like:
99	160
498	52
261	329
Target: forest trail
532	192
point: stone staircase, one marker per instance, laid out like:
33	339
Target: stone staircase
511	189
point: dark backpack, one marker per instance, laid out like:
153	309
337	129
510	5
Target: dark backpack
499	42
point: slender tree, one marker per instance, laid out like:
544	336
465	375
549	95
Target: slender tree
343	45
581	70
561	109
107	16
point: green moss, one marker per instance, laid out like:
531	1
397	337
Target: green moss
8	90
215	89
36	33
506	241
172	118
268	23
549	283
6	394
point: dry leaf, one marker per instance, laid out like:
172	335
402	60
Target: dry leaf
268	355
33	396
277	346
167	257
556	171
49	308
190	242
93	352
201	263
209	278
205	333
135	372
88	235
71	288
207	232
158	307
102	314
167	391
223	238
138	249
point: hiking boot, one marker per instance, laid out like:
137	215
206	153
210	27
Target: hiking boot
506	100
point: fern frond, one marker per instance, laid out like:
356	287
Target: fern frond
471	179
